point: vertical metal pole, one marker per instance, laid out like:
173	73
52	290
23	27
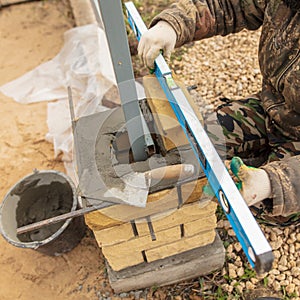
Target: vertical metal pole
96	9
113	20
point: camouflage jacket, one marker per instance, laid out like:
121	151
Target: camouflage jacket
279	50
279	58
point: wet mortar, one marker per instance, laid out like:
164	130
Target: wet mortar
41	202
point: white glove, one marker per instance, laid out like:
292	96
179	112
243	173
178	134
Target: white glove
163	37
255	183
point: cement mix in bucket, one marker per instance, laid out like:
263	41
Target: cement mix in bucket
37	197
38	203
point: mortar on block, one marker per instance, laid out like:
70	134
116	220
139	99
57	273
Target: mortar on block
36	197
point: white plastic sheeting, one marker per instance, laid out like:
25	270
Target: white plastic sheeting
84	64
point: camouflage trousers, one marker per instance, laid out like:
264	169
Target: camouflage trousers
241	128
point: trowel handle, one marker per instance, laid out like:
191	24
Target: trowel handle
182	171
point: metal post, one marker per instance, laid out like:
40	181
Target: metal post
113	21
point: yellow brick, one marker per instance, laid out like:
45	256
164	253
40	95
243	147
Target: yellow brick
180	246
185	214
192	191
145	242
200	225
124	254
114	235
118	262
96	220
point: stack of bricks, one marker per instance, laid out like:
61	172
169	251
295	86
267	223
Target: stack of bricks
150	237
163	242
152	246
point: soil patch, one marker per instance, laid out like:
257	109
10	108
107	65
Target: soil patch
31	34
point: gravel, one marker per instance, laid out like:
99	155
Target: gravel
228	67
283	279
221	67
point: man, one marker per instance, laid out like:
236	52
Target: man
264	129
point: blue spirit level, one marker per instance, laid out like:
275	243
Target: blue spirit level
249	234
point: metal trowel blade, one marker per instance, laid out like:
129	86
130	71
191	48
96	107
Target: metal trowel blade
135	189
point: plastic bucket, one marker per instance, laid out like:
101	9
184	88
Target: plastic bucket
36	197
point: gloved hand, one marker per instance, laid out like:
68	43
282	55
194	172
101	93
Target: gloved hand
161	37
254	183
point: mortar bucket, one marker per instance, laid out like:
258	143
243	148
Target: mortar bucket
36	197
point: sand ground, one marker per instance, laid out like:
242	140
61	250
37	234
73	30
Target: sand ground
31	34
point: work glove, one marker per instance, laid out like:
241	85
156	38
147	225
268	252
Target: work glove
160	38
253	183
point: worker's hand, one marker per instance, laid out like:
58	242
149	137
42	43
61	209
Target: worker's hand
253	183
161	37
